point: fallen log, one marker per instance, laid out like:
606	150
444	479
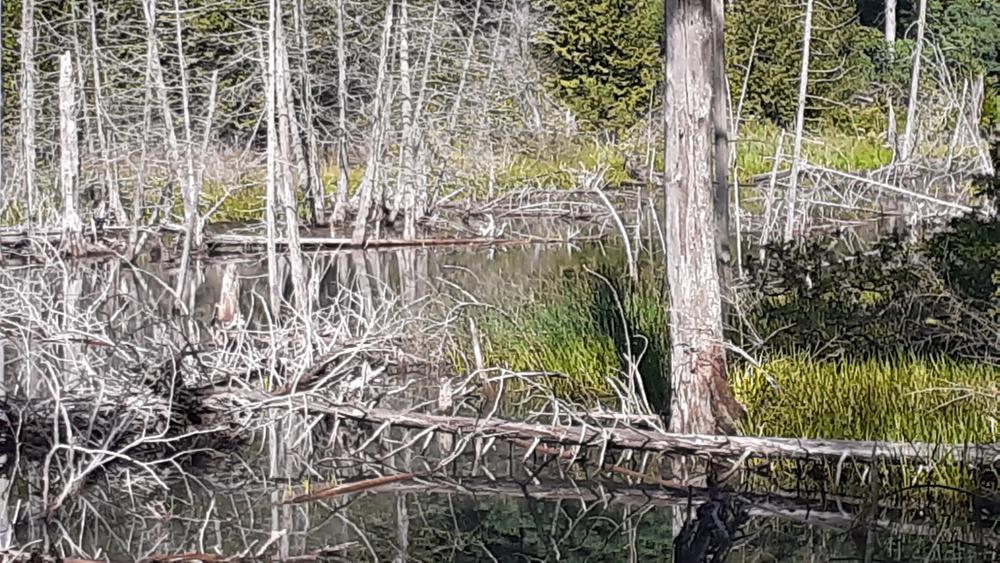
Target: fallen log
726	447
346	243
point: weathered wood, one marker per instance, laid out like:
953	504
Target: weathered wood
792	193
345	243
906	151
704	445
702	400
69	159
27	102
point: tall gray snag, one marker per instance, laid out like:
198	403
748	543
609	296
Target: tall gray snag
28	104
702	401
906	151
890	41
69	159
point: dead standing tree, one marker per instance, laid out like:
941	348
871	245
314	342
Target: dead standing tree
69	159
28	105
702	399
373	177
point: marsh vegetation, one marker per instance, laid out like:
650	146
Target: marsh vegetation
431	280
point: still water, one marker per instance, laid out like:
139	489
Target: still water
512	508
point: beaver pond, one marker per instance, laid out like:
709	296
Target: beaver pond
506	330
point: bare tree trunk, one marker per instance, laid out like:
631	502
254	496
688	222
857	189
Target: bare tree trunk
28	105
287	188
314	183
81	82
192	190
911	109
69	159
111	190
301	176
139	195
372	172
273	282
702	399
469	46
406	197
153	59
720	119
339	210
800	117
420	172
890	41
4	199
890	25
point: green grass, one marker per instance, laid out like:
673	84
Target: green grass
897	399
575	328
829	148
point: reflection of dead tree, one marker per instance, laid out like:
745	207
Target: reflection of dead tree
92	395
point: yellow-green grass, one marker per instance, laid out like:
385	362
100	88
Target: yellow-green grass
830	148
898	398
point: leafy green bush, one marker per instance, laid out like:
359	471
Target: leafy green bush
938	296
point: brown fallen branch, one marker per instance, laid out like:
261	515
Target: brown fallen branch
728	447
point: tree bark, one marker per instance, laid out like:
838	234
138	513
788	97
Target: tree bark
911	109
890	42
153	60
340	207
702	400
192	188
4	199
372	175
720	119
800	117
69	159
282	86
111	191
314	181
273	283
407	198
28	105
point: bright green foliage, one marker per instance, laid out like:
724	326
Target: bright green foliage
900	399
903	399
584	328
606	57
832	148
839	68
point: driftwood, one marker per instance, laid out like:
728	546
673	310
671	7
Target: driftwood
725	447
346	243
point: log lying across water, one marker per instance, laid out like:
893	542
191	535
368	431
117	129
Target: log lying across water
346	243
726	447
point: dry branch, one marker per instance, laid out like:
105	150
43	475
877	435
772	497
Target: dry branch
728	447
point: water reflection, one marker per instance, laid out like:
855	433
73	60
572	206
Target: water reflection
516	520
511	509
